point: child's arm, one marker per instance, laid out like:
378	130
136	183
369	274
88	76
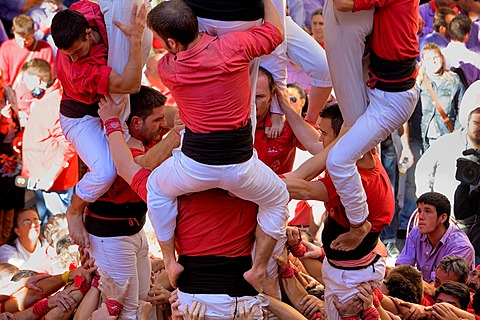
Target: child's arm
130	79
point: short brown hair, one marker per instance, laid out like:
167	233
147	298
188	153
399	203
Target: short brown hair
39	68
23	25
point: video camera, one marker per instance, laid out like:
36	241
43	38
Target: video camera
468	171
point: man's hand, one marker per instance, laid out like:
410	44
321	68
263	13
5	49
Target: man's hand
410	311
282	260
31	282
158	295
293	236
311	305
313	251
7	316
178	124
111	289
109	109
64	300
365	294
134	30
350	308
196	311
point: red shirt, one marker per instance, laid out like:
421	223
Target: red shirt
44	143
395	27
12	58
211	83
278	153
86	80
380	200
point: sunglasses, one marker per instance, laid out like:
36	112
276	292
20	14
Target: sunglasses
293	99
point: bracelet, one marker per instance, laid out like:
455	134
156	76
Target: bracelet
370	314
81	284
41	308
356	226
298	250
377	297
114	307
65	277
288	271
95	281
317	316
112	125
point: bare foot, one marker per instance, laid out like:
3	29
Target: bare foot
256	277
76	228
143	309
173	269
351	239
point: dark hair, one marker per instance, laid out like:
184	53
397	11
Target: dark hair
40	68
457	290
459	27
440	202
439	18
405	282
303	95
144	102
268	74
63	243
317	12
474	111
7	270
23	274
174	19
23	25
67	27
333	113
455	265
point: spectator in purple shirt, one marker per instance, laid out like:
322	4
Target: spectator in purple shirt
440	35
434	237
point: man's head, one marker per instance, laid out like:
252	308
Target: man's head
72	34
459	28
174	24
264	93
473	126
37	73
23	30
404	282
473	281
455	293
443	17
330	123
465	6
298	97
433	212
445	3
318	25
451	268
147	115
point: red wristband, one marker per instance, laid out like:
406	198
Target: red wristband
41	308
351	318
81	284
281	176
317	316
112	125
298	250
371	314
114	307
95	281
288	271
379	295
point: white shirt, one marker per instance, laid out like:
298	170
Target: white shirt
39	260
456	52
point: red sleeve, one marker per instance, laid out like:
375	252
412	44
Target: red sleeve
139	183
370	4
259	41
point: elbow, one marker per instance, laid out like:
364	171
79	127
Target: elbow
135	88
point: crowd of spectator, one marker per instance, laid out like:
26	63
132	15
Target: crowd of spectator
208	115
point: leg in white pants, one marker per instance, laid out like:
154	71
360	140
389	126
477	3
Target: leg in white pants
345	46
343	283
91	143
386	112
121	10
122	258
251	180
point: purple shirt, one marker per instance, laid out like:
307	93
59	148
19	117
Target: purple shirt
418	251
427	15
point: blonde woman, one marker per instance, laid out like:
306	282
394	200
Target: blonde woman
441	94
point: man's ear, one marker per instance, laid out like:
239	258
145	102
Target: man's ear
136	122
443	217
171	43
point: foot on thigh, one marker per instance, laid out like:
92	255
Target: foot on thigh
351	239
256	277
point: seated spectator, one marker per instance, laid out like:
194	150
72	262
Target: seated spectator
440	35
434	237
26	249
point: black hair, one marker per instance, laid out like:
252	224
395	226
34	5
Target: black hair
67	27
333	113
457	290
144	102
440	202
459	27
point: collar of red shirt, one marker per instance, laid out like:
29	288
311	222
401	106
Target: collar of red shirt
201	45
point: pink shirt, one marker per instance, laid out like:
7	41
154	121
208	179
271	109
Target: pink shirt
211	83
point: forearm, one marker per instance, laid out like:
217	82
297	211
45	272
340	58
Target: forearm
122	156
294	290
314	268
49	286
160	152
88	304
307	135
283	311
59	314
130	79
271	15
302	190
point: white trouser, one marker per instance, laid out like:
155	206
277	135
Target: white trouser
220	306
251	180
217	28
308	54
118	43
122	258
344	283
89	140
386	112
345	46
